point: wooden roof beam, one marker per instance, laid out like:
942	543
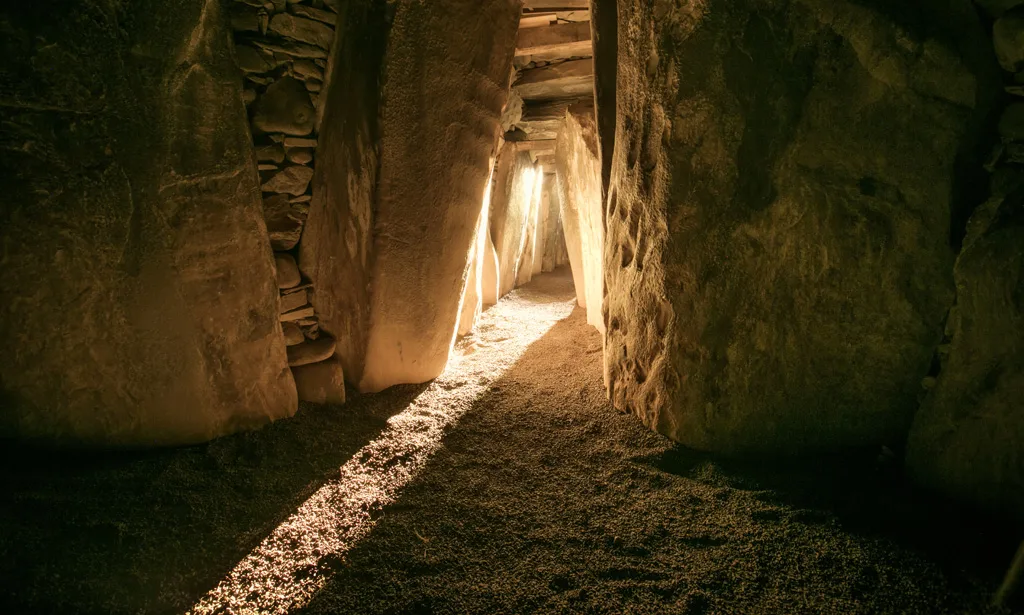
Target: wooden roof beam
564	39
555	5
562	80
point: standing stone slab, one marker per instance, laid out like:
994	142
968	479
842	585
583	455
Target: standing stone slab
139	296
967	438
579	169
434	168
336	249
514	178
778	217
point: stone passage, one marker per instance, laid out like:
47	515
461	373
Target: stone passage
282	49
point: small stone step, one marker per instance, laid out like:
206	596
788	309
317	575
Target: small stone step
293	301
292	334
311	351
321	383
299	314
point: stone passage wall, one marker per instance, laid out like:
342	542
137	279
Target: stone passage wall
336	247
515	181
137	291
778	260
282	49
968	437
579	171
447	66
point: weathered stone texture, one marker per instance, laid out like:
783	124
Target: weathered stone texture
579	170
778	260
337	243
514	179
967	438
139	295
434	168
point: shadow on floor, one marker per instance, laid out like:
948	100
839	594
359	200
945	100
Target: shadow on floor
542	499
867	495
149	532
545	500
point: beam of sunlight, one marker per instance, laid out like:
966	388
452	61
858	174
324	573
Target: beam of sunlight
288	568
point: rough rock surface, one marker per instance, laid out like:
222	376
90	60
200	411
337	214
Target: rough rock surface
283	221
312	351
966	439
579	168
291	180
778	218
571	229
286	108
430	195
552	225
514	178
321	383
472	296
489	280
287	271
138	290
528	250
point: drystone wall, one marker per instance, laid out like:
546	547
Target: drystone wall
138	288
282	49
966	440
784	178
579	170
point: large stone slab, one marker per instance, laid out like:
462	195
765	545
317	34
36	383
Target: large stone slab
528	249
514	179
966	439
579	170
777	251
337	243
139	296
430	195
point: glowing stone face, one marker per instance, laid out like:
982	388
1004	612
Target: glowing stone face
287	569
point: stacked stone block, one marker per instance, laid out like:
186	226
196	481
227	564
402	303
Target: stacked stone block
281	48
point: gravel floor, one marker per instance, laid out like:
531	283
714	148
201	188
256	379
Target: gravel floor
539	499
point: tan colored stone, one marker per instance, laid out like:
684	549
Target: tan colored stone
311	351
299	314
337	244
321	383
287	271
291	180
138	294
300	142
284	107
514	180
309	12
284	222
777	256
293	301
429	198
302	30
292	333
300	155
579	174
270	153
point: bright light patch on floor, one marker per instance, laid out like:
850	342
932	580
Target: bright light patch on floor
288	568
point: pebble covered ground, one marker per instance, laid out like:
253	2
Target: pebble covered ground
540	498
